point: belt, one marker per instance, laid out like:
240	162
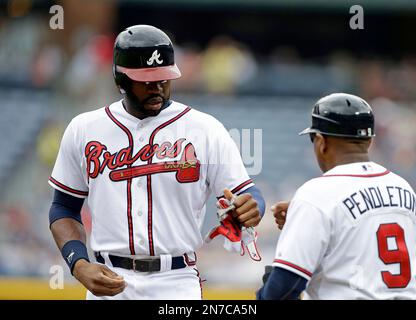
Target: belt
141	265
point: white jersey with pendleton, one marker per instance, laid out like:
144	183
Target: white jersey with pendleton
147	181
352	234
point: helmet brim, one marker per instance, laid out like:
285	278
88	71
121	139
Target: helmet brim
307	131
312	130
151	74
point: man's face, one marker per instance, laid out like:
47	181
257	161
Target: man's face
151	95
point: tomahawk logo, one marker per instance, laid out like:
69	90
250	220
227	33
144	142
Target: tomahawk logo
155	57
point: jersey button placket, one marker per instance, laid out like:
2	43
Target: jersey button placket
140	131
139	184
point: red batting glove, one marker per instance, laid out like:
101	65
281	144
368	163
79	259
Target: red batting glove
227	228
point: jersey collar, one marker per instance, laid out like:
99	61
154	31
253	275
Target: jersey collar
357	169
168	110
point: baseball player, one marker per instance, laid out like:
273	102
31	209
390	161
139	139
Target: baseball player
349	234
146	165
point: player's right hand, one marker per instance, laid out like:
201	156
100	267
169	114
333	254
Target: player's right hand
279	212
98	278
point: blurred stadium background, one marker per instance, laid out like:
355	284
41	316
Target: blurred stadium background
254	64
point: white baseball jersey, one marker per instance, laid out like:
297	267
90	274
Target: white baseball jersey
351	233
147	181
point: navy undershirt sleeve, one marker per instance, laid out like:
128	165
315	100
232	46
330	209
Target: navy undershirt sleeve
256	194
65	206
282	285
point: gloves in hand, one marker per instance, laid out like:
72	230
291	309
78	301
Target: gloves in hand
237	238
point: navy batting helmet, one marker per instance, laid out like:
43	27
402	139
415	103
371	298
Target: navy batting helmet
144	53
342	115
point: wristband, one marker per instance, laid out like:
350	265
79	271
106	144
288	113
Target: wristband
72	251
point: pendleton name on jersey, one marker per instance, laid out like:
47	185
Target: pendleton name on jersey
127	168
351	233
376	197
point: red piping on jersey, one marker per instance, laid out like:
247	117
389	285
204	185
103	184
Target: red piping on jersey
200	281
62	186
358	175
294	266
239	187
149	181
129	202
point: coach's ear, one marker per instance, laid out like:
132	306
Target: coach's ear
370	143
320	144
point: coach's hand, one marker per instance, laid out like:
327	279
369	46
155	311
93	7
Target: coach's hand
98	278
279	212
247	211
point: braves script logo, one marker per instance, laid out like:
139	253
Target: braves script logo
155	57
187	168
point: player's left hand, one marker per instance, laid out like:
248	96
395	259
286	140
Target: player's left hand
247	211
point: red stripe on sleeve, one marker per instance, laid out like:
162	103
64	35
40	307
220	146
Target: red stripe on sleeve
239	187
64	187
294	266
